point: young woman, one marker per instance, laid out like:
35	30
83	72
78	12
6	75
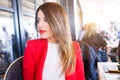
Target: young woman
54	56
93	38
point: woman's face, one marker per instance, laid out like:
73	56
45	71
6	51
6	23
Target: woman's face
44	28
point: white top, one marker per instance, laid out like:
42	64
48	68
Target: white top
52	67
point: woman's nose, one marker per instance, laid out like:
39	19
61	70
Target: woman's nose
40	23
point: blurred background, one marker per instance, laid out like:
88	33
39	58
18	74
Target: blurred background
17	22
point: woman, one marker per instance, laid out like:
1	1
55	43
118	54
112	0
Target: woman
90	61
93	38
55	56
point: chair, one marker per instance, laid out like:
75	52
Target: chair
14	71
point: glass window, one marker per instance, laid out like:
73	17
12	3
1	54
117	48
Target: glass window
28	6
29	27
39	2
6	40
51	1
5	3
6	32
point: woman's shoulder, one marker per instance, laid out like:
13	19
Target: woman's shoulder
75	43
36	42
76	46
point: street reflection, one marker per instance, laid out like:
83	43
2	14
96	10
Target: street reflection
6	32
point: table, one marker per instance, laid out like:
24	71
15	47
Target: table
102	68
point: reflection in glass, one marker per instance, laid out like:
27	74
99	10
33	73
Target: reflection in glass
5	3
39	2
51	1
29	27
6	31
28	6
6	47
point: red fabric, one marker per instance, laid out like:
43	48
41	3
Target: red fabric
34	58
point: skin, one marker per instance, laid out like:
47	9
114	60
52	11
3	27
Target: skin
44	28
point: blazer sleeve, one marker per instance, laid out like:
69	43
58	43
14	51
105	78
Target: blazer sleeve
28	63
79	62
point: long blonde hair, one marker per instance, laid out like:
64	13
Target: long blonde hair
90	29
59	24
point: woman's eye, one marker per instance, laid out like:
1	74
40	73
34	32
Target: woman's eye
37	20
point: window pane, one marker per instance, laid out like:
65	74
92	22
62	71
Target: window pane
5	3
6	32
30	31
28	6
6	46
39	2
51	1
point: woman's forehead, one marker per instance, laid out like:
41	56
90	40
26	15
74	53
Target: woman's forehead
40	14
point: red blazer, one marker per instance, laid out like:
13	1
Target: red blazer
34	58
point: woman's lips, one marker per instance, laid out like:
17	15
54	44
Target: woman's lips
42	31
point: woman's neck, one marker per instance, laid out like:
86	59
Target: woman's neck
52	41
